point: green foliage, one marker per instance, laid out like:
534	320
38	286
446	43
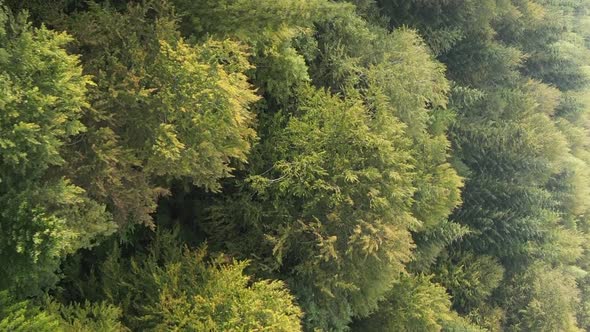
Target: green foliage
583	310
45	216
415	303
432	241
88	317
162	109
272	29
337	182
20	316
542	299
24	316
171	287
342	172
518	138
469	279
512	151
404	165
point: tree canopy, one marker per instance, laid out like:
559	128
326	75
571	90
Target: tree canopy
294	165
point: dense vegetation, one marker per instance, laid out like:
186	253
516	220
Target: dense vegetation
295	165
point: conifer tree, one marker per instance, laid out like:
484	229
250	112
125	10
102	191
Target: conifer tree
403	165
44	215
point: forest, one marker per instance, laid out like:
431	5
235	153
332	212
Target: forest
295	165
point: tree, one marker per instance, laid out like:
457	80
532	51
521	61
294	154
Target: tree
163	109
169	286
544	299
415	303
26	316
45	216
309	179
398	165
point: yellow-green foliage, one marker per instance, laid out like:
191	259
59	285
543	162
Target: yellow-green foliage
25	316
354	151
172	287
44	215
415	303
542	299
334	206
20	316
163	109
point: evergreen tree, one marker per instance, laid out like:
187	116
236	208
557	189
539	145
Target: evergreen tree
395	165
171	287
44	215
